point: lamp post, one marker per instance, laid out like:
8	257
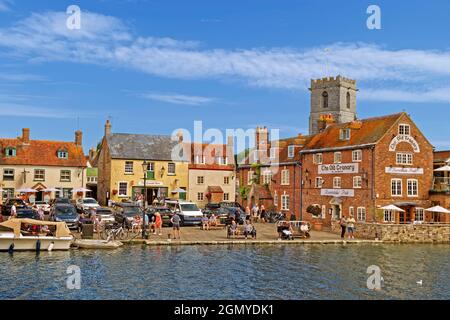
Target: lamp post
144	169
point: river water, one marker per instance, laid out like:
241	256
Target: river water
231	272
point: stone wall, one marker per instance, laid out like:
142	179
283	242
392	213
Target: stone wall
400	232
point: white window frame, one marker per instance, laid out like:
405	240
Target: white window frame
338	157
291	151
9	175
275	199
285	202
119	194
419	212
61	176
174	166
200	179
62	154
404	158
323	213
285	177
345	134
267	177
403	127
357	182
361	214
390	214
335	184
351	211
412	187
395	194
357	155
318	158
127	167
35	173
226	196
200	196
319	182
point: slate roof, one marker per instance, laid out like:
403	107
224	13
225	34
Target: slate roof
42	153
140	146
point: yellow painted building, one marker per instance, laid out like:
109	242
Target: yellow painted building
121	172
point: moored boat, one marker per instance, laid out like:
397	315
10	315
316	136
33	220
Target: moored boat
34	235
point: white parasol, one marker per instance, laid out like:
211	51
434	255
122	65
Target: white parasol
391	207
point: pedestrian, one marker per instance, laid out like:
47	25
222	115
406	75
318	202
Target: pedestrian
13	211
255	211
263	213
158	224
343	224
41	212
247	213
351	227
176	220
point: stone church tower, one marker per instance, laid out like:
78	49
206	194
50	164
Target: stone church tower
334	97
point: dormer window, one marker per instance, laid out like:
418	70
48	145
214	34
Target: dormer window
404	129
63	154
345	134
10	152
291	150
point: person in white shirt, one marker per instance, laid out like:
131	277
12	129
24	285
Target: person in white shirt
255	210
13	211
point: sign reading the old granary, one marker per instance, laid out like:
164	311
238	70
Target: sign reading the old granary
338	168
404	138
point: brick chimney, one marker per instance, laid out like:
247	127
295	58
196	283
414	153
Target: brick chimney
107	128
78	137
26	135
262	138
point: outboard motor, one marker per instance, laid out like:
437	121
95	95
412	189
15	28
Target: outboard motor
11	248
50	247
38	246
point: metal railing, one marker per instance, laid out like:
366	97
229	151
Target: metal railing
441	184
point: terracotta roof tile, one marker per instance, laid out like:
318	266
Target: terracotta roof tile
42	153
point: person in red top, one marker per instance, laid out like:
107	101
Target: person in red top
158	223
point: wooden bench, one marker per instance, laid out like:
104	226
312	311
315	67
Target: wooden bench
217	226
240	234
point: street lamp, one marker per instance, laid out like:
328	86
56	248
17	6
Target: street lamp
144	169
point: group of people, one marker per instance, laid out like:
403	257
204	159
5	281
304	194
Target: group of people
156	223
348	225
286	230
207	223
248	231
257	213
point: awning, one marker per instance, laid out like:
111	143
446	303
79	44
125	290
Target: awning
26	190
215	189
405	204
392	207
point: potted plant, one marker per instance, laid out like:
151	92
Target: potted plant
114	191
316	212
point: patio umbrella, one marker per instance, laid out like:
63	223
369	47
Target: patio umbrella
437	209
443	169
50	190
82	190
391	207
26	190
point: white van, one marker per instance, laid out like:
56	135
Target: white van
189	213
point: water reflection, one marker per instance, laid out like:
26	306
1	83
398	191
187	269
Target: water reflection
230	272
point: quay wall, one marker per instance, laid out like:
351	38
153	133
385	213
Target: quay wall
407	233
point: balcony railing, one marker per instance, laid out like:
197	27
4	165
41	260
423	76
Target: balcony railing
441	184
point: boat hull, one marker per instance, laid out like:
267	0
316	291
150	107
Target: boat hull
30	243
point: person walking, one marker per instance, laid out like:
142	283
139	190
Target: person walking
247	213
263	213
40	212
13	211
343	224
351	227
158	224
176	220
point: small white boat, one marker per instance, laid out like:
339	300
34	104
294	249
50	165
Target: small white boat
30	234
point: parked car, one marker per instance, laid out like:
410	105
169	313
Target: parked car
124	213
166	214
19	203
85	204
225	211
189	213
66	213
231	204
26	212
61	201
44	205
105	215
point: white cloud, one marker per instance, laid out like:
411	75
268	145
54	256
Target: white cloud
440	95
106	40
5	5
177	98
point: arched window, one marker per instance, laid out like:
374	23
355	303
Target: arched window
325	99
348	100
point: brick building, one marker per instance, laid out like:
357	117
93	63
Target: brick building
358	167
440	192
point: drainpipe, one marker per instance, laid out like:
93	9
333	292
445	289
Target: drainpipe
301	187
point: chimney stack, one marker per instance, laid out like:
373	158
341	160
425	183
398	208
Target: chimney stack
92	153
26	135
78	138
107	128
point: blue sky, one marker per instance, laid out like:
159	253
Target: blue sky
154	66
